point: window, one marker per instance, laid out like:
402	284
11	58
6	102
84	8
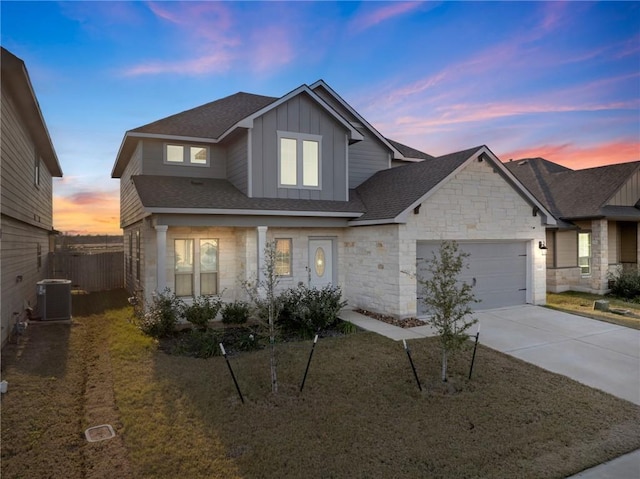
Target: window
283	257
130	258
299	160
187	155
208	266
183	249
138	255
584	253
39	256
36	171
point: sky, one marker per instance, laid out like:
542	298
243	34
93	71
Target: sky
559	80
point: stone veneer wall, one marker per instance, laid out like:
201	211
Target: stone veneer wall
477	205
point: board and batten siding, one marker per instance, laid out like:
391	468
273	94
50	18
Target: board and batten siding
153	161
237	157
131	209
299	115
22	199
629	193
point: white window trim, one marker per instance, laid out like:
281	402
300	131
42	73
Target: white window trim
300	137
186	155
586	275
196	271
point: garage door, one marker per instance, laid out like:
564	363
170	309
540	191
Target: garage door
498	270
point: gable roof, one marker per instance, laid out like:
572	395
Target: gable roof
15	76
575	194
212	122
391	194
386	197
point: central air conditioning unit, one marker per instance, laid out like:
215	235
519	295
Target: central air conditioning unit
54	299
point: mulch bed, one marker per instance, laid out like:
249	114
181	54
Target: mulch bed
402	323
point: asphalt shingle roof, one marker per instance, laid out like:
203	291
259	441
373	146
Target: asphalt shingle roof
408	151
382	197
390	192
219	194
210	120
572	194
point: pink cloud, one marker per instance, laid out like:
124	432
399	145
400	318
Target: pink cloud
272	49
215	63
381	14
87	213
579	157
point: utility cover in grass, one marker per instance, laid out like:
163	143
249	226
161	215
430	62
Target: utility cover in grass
99	433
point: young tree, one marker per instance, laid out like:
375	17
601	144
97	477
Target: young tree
448	299
268	305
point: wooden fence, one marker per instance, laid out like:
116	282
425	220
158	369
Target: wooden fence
88	272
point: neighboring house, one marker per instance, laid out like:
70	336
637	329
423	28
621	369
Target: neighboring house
28	163
203	192
599	217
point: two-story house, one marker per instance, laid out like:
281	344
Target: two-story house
598	220
28	164
204	191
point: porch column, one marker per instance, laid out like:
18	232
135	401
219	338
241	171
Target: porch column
262	244
599	255
161	252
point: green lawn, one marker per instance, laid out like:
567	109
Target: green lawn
360	415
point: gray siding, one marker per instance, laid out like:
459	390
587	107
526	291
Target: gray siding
629	193
21	198
366	157
237	158
153	161
299	115
26	215
130	205
20	271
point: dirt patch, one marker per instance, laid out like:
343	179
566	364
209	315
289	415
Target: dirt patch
402	323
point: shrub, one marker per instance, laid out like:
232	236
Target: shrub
159	319
626	285
203	310
235	313
199	343
309	310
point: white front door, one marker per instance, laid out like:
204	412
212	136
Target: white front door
321	262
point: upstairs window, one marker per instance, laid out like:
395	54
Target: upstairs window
36	171
298	160
186	155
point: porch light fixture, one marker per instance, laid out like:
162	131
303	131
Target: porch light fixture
542	245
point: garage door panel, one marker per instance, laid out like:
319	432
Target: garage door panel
499	270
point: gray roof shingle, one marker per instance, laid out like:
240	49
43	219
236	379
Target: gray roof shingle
219	194
409	152
390	192
572	194
210	120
